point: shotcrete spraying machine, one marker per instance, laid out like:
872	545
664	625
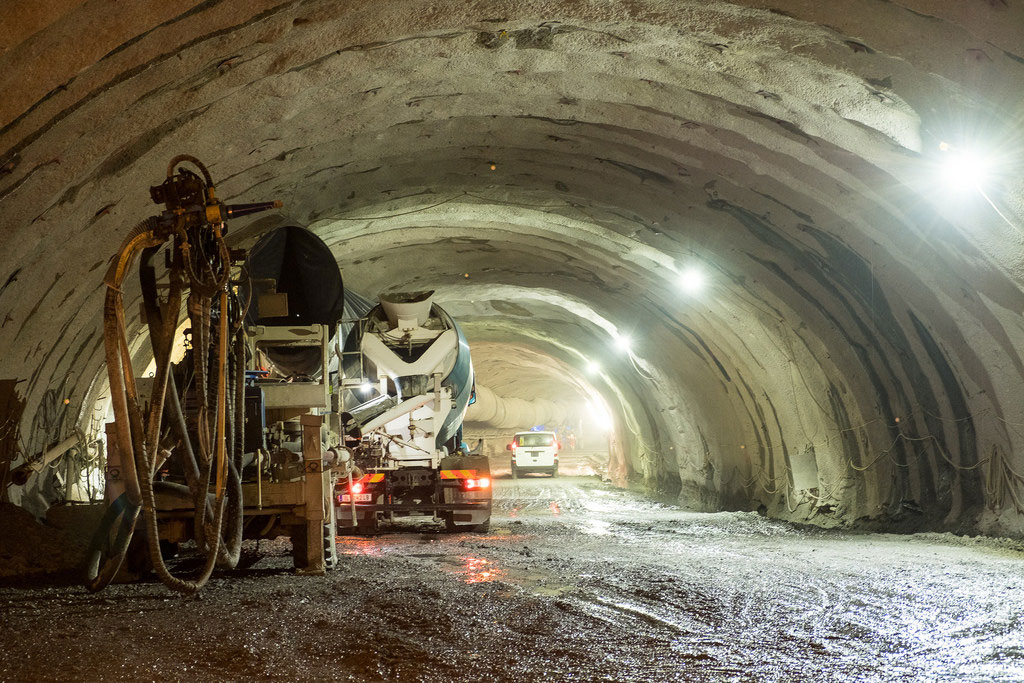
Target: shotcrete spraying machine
296	408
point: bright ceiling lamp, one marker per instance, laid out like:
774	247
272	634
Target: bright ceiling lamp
963	170
622	343
593	368
692	280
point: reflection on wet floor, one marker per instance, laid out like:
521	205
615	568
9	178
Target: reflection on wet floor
597	527
358	545
576	580
751	598
479	570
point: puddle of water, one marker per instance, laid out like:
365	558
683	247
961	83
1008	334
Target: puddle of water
596	527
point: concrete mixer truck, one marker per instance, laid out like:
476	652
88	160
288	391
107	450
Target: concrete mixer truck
391	381
406	382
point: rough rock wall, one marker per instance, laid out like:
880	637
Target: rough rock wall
551	168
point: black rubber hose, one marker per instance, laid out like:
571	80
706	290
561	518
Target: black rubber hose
184	454
150	516
162	340
169	580
239	399
231	545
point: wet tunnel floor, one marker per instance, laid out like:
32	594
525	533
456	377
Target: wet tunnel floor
575	581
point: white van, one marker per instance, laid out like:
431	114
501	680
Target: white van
535	452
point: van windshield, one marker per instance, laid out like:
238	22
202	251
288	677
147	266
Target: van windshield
535	439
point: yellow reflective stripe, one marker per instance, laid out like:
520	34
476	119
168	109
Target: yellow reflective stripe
374	478
458	474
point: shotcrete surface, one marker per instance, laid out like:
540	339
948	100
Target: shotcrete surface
576	580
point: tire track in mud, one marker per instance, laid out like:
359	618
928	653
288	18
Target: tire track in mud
574	581
758	603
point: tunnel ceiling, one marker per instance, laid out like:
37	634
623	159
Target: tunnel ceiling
550	169
523	372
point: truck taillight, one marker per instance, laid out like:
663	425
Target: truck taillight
481	483
357	487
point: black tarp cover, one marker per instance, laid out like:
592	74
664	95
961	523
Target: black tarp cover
305	270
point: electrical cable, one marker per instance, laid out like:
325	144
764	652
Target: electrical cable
996	209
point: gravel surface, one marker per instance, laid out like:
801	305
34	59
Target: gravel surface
575	581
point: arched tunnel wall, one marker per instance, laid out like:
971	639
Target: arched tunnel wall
551	170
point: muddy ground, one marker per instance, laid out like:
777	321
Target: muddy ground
575	581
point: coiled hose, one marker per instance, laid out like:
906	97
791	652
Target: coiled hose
139	445
212	534
162	336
